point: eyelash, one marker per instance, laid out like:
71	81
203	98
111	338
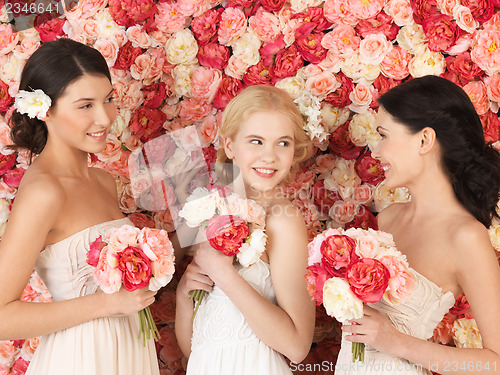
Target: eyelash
109	100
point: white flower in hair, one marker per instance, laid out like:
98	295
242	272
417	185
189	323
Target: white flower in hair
32	103
310	107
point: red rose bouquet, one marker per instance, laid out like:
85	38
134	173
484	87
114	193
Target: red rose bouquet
134	258
234	226
350	267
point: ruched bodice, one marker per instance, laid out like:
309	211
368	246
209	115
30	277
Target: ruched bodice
224	343
107	345
416	316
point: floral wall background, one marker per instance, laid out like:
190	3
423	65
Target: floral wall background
178	63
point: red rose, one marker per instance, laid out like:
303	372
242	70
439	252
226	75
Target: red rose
340	143
380	24
213	55
20	366
269	50
369	169
257	75
205	27
423	9
324	199
154	94
227	90
382	84
226	233
5	99
126	56
482	10
95	251
491	127
368	279
209	154
338	254
13	177
340	97
442	32
272	5
140	10
49	26
147	123
286	63
315	279
136	268
310	48
7	162
464	67
461	306
364	219
119	13
314	19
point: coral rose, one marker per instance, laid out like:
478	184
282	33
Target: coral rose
135	267
338	254
226	233
368	279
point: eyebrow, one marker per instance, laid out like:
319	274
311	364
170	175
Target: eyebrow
259	137
90	99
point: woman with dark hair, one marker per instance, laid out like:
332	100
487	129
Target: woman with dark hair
64	111
433	144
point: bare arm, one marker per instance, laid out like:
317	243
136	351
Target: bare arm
288	327
479	276
36	208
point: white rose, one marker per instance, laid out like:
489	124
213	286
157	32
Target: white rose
427	62
466	334
362	129
383	196
182	74
411	37
246	47
300	5
32	103
196	211
340	302
333	117
294	86
494	232
106	25
182	48
359	71
253	248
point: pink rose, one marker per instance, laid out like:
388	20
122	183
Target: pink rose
344	211
95	251
337	11
213	55
363	194
401	280
368	279
361	97
461	306
265	25
365	9
232	25
339	252
493	87
485	51
477	94
442	32
205	82
258	74
272	5
342	40
226	233
169	18
8	39
395	63
322	84
136	268
443	333
194	109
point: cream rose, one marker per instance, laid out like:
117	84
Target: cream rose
340	302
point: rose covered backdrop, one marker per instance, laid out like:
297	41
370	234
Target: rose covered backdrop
178	63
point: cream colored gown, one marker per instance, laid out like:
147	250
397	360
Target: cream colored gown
107	346
417	316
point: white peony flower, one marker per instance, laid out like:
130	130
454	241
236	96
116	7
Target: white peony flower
466	334
340	302
253	248
197	210
32	103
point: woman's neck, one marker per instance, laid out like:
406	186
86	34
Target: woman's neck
65	161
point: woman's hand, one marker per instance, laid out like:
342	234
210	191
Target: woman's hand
373	329
186	172
125	302
193	278
213	262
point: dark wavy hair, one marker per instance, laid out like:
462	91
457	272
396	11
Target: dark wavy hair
472	166
51	68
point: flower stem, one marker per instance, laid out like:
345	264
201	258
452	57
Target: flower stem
197	296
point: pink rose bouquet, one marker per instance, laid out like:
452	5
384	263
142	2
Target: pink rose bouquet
134	258
350	267
234	226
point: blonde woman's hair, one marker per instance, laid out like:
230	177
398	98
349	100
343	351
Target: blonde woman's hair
260	98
